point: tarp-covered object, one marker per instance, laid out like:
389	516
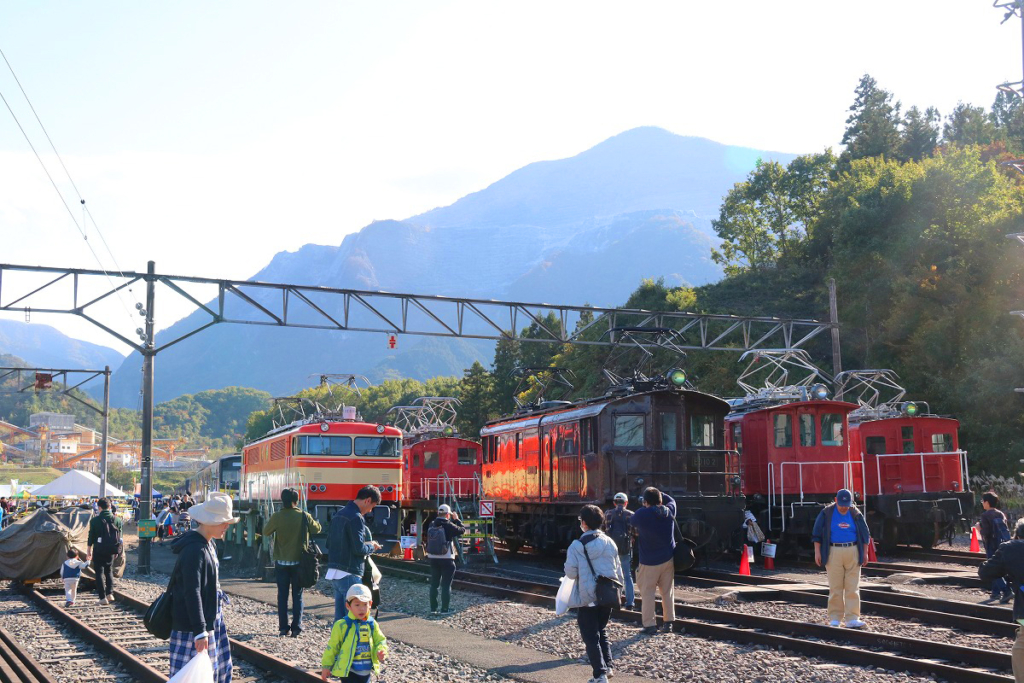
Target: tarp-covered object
36	545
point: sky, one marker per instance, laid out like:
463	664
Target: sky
209	136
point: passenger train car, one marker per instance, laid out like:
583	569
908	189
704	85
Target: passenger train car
540	466
223	474
328	459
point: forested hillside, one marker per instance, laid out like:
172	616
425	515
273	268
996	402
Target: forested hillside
911	219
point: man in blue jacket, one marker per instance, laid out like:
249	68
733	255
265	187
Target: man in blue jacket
654	524
840	540
348	545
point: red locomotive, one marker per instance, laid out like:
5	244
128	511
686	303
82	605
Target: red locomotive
793	444
437	464
542	463
916	478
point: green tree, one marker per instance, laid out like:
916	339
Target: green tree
920	133
476	391
968	125
872	128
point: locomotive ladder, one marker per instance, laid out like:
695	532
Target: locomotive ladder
468	507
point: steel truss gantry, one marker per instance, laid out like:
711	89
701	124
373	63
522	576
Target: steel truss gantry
325	308
85	293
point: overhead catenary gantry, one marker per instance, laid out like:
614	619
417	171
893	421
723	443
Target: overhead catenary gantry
92	294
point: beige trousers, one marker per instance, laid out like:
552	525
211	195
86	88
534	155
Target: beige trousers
1017	656
657	577
843	572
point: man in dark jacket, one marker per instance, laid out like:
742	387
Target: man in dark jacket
104	544
655	530
1008	563
291	529
348	545
994	530
442	564
617	526
840	538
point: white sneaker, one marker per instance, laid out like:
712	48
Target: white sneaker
855	623
834	623
599	679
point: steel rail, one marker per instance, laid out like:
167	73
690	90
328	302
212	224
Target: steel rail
145	673
35	670
746	633
938	575
956	556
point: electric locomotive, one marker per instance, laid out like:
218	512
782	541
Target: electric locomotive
542	463
327	457
916	477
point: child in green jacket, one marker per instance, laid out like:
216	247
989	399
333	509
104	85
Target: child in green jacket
357	647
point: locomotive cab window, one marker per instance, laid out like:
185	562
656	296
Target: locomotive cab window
783	430
378	446
667	431
807	435
831	429
874	445
325	445
431	460
629	431
737	437
467	456
942	443
702	431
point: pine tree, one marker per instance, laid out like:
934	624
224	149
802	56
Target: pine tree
476	391
968	125
920	134
873	126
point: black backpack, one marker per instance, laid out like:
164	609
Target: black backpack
618	530
437	540
109	541
1000	530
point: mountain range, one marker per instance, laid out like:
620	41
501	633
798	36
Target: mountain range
582	230
43	346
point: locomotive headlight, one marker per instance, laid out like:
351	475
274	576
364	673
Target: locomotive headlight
736	481
324	426
819	392
676	377
909	408
639	481
448	431
380	429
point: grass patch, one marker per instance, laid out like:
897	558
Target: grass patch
28	475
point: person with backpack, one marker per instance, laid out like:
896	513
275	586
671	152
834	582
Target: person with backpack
291	529
616	525
441	539
655	525
1007	562
104	545
994	531
592	555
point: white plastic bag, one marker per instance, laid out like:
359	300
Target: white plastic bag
563	595
198	670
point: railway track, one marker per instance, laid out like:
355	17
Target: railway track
118	633
950	662
956	556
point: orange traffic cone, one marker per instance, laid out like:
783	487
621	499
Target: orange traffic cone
872	557
407	554
744	563
769	562
975	546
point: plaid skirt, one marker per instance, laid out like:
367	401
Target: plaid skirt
183	648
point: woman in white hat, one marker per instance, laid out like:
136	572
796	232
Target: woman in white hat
197	620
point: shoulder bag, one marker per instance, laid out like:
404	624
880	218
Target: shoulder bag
309	558
159	617
609	591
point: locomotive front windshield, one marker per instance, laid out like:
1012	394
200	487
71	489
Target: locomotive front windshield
372	446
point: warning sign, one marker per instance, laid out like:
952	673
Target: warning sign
407	542
487	508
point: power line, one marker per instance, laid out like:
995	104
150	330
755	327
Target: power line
86	210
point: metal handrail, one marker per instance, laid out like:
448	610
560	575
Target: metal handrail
698	472
847	479
924	484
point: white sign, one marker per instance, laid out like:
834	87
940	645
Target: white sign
412	529
408	542
767	550
487	508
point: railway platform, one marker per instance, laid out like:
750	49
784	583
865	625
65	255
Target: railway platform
494	656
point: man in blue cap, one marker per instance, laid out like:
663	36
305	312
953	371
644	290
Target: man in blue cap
840	540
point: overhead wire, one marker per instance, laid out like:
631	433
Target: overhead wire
85	208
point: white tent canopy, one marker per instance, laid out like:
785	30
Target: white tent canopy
77	483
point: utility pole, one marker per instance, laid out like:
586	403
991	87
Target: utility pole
148	356
106	429
833	317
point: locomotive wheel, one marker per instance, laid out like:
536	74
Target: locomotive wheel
513	546
890	535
